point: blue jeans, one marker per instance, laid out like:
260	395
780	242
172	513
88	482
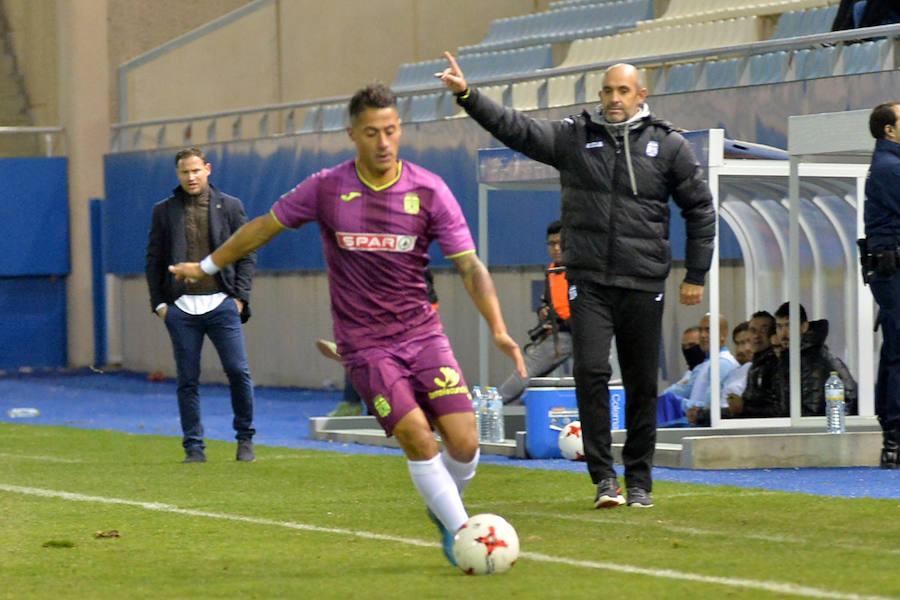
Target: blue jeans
887	386
223	326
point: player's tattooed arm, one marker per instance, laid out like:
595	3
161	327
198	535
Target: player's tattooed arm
480	286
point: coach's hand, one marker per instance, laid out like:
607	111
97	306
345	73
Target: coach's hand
691	293
452	76
511	349
190	272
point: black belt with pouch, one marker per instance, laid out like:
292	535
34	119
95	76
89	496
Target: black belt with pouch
883	263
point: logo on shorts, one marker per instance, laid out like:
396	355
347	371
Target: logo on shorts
375	242
449	385
411	204
381	406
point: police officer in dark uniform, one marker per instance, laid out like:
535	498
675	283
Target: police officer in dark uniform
882	217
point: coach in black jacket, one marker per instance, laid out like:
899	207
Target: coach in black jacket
187	226
617	169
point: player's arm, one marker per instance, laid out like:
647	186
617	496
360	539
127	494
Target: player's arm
245	240
480	287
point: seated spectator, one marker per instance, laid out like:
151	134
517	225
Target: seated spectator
551	340
761	396
816	364
693	396
743	354
690	347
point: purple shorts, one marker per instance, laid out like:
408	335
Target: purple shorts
416	373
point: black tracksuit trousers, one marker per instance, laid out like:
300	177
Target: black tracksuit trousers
634	317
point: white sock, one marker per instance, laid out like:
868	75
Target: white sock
436	486
462	473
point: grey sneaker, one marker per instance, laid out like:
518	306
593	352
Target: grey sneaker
609	494
639	498
245	451
195	456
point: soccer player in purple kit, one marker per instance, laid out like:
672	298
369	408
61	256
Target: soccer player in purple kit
377	216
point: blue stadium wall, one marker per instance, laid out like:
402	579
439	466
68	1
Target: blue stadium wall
258	171
34	262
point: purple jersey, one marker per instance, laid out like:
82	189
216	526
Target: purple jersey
376	247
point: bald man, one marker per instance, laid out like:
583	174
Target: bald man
618	166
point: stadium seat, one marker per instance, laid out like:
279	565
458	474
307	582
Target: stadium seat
770	67
812	63
562	25
565	90
498	93
311	120
865	57
664	40
724	73
529	95
698	11
679	78
334	117
477	66
805	22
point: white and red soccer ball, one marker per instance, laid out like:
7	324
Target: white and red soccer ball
486	544
571	444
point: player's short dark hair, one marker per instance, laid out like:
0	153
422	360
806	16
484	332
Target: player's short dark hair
554	227
764	314
375	95
188	152
882	115
740	328
784	312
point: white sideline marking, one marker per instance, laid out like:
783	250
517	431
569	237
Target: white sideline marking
45	458
691	530
769	586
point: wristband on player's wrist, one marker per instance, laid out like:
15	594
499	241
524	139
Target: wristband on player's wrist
464	94
208	266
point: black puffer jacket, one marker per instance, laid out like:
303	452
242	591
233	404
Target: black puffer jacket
816	364
615	192
762	397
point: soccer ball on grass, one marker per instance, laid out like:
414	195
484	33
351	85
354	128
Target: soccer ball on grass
571	445
486	544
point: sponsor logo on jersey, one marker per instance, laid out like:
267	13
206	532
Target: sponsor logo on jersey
375	242
411	204
350	196
382	406
448	384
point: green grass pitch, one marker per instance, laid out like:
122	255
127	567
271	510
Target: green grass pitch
96	514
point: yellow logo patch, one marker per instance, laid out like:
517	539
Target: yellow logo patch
411	204
382	406
449	384
350	196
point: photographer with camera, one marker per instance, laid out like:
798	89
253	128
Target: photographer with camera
551	339
880	268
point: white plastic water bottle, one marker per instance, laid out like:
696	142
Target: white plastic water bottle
495	429
478	407
22	413
834	404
